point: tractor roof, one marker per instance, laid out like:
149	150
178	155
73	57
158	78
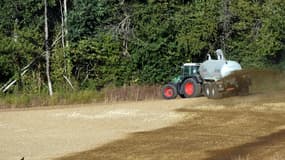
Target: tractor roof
191	64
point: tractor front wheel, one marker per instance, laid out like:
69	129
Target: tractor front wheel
169	91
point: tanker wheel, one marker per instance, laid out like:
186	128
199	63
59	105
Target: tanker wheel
215	94
244	91
207	90
169	91
190	88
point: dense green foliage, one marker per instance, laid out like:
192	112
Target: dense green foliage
124	42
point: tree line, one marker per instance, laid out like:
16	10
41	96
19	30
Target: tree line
91	44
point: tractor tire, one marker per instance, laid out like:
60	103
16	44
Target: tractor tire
169	91
190	88
215	94
199	93
207	90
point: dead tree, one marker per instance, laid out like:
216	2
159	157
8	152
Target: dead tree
25	69
47	50
62	26
64	30
65	20
64	41
124	30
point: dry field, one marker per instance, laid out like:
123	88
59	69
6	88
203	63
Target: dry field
47	133
233	128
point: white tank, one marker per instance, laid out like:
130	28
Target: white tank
217	69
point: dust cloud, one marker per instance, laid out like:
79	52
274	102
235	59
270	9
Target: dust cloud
266	80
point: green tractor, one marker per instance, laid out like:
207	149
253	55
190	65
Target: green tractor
186	85
214	78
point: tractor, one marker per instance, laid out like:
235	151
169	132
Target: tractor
214	78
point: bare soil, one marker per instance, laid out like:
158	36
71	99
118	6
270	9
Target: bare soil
233	128
47	133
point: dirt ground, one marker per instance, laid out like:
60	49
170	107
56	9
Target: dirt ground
233	128
47	133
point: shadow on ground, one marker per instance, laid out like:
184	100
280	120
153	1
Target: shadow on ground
269	145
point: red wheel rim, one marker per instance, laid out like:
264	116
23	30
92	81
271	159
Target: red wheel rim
168	92
189	88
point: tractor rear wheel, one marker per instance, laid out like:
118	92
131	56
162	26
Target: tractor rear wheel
169	91
190	88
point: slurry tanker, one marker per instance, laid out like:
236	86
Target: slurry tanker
214	78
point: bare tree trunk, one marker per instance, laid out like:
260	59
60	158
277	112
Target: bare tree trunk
67	58
47	52
63	11
65	21
18	56
62	26
64	41
63	37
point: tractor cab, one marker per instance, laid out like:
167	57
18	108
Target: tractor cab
187	70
